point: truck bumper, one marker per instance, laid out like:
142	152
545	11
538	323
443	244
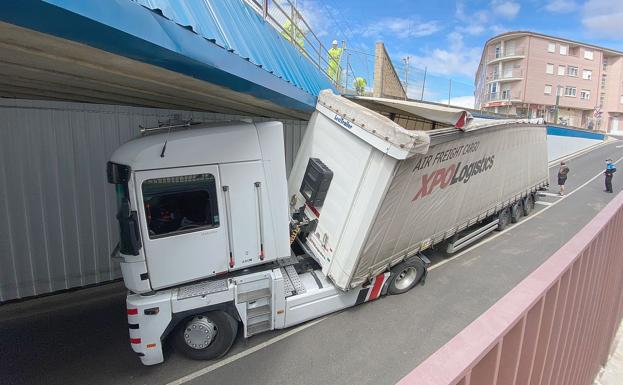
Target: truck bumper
148	318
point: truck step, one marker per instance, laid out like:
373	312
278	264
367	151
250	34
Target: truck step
253	295
258	311
288	288
294	278
202	288
258	328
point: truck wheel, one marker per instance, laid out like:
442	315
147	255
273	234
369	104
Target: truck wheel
405	275
528	205
516	211
504	219
206	336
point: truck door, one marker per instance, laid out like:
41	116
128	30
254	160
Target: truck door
242	183
182	225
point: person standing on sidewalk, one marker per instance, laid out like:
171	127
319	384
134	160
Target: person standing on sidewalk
609	173
562	177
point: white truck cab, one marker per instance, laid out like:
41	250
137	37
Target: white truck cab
178	223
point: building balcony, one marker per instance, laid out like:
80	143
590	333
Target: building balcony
506	54
503	98
505	76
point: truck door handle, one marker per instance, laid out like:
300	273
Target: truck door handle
230	234
258	193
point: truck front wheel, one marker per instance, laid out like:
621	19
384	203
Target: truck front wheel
206	336
405	275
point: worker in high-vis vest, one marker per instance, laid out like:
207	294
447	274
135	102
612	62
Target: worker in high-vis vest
360	85
334	56
293	30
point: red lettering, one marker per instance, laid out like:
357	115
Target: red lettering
424	188
441	178
448	176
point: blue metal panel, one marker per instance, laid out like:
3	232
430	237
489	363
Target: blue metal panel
575	133
227	43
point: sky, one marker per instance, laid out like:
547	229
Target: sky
447	36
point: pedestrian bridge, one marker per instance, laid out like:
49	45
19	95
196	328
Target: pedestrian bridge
219	56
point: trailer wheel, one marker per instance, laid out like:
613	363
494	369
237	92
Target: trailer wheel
516	211
405	275
528	204
504	219
206	336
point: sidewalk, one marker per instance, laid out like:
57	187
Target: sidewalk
612	373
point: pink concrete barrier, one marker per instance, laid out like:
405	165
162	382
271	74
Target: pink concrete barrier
554	328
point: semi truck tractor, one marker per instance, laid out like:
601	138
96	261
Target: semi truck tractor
216	241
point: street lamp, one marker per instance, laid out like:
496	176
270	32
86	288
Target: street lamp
558	92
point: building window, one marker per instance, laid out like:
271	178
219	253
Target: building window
585	94
587	74
549	69
563	49
561	70
570	91
588	54
621	100
551	47
548	89
572	71
180	204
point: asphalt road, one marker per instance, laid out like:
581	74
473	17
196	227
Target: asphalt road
81	337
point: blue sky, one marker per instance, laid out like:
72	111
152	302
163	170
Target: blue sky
447	36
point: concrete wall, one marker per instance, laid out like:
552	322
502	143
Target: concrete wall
58	226
386	81
563	141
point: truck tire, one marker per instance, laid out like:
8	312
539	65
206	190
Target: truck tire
504	217
405	275
516	211
528	204
206	336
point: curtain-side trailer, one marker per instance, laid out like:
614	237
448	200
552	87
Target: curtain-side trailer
213	235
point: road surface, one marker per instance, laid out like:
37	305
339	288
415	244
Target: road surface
81	337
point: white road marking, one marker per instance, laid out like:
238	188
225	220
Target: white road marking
524	220
546	194
619	146
544	203
208	369
304	326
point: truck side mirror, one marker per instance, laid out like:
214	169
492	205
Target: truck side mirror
130	242
316	182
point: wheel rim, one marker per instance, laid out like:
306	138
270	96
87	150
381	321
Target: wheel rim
406	278
199	332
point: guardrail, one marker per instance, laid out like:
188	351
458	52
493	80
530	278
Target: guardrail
554	328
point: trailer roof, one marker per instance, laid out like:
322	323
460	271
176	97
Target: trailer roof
403	128
446	116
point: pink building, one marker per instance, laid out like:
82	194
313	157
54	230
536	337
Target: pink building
535	75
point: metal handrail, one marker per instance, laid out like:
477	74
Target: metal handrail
311	47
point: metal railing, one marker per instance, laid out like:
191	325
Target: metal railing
503	95
516	73
555	327
284	17
510	52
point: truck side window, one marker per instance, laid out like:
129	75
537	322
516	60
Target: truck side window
180	204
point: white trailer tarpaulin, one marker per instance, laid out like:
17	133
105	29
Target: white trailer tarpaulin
434	194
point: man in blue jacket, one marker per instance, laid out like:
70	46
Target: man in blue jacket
610	170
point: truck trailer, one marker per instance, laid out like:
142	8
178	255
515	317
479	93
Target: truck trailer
214	239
